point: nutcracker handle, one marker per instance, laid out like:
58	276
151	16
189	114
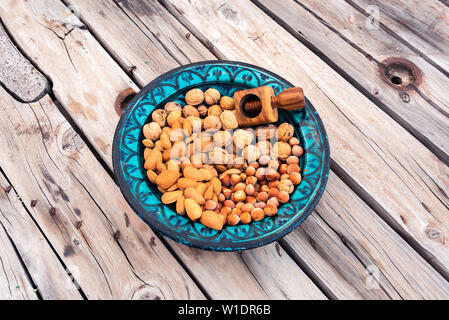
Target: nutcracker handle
289	99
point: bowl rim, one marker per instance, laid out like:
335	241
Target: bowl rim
202	244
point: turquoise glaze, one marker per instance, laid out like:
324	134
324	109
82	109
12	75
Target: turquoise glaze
227	77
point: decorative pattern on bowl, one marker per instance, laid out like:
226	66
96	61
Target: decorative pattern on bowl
227	77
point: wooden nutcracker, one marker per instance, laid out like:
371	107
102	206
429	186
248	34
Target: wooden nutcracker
260	105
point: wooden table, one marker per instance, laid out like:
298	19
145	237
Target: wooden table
381	229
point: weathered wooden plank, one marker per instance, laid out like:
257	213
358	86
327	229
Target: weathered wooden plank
404	180
377	262
421	24
343	259
357	49
109	251
50	277
85	79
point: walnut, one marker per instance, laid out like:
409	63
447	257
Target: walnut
189	110
264	147
194	97
152	131
228	120
243	138
266	132
281	150
285	132
212	123
215	110
172	106
203	143
202	109
173	117
222	138
195	123
219	156
250	153
227	103
159	116
212	96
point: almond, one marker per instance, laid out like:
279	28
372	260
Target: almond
184	183
180	208
216	184
212	220
201	188
171	197
229	172
167	178
172	165
153	159
193	209
152	176
205	174
208	194
192	173
192	193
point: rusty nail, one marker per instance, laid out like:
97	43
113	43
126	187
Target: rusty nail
400	73
78	224
405	97
8	188
33	203
117	235
122	100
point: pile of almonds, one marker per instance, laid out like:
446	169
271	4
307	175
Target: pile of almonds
215	172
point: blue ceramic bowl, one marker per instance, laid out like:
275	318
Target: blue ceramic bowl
227	77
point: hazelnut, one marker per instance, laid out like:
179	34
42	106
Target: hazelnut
250	190
264	160
251	180
235	178
283	196
292	159
260	205
271	174
281	150
227	103
229	204
295	177
245	218
194	97
262	197
240	186
221	197
270	210
297	151
202	109
189	110
257	214
285	131
255	165
228	120
233	219
283	168
210	205
226	210
250	171
273	201
172	106
239	196
273	192
248	207
212	96
152	131
212	123
159	116
293	141
294	167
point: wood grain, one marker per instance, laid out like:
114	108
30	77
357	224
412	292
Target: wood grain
109	251
88	98
420	24
405	181
356	255
17	228
357	49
